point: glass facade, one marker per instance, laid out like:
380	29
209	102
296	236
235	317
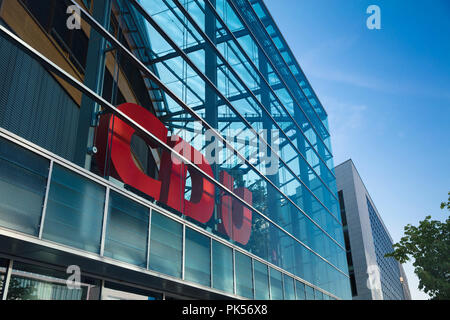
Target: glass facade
23	179
166	245
276	285
220	75
74	212
205	259
288	286
127	230
300	290
198	258
32	282
389	268
244	276
262	288
222	267
309	292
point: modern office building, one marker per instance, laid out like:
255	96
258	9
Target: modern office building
162	149
367	240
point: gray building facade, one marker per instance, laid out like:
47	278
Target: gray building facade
367	240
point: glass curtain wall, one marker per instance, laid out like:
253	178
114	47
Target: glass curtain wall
32	282
216	67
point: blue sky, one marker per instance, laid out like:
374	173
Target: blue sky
387	93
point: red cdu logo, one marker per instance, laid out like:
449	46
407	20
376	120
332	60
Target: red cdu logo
169	188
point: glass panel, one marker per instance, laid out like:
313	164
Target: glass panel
276	285
309	293
222	267
127	230
30	282
198	258
244	278
166	245
74	210
300	290
23	180
288	285
116	291
261	281
318	295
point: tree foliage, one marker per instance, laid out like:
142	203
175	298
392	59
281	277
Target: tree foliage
429	246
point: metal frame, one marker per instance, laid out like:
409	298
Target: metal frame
137	125
107	184
110	186
253	278
54	68
164	88
226	101
256	70
234	271
183	253
150	211
102	279
288	49
105	221
44	207
7	280
211	278
262	107
243	20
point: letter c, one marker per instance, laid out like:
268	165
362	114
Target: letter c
117	134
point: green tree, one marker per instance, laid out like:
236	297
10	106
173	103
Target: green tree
429	246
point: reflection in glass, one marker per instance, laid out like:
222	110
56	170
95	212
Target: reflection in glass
74	210
127	230
300	290
318	295
261	281
309	293
166	242
198	258
244	278
276	285
288	285
30	282
23	180
222	267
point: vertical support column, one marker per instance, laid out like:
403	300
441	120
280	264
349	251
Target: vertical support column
253	278
149	237
105	221
211	262
102	286
93	78
211	108
183	254
325	175
299	221
272	198
234	272
44	206
270	284
7	280
295	289
210	68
